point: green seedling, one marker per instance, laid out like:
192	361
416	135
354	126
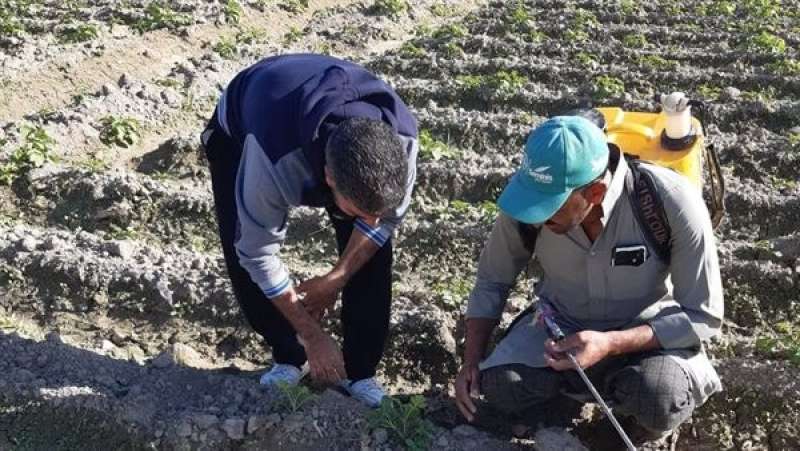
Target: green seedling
486	211
390	8
794	139
411	50
232	11
789	67
502	85
709	92
628	7
517	18
423	30
226	48
722	8
294	397
607	87
158	15
94	164
122	131
251	36
782	184
324	48
293	35
764	94
405	422
169	83
116	232
520	16
451	50
671	7
76	33
451	31
431	148
766	43
10	26
656	62
635	40
763	10
294	6
441	10
582	22
587	59
454	292
784	345
35	151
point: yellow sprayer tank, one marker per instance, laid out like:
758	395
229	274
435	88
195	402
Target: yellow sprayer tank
639	134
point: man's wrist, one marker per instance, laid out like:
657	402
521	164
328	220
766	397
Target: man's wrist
293	310
338	277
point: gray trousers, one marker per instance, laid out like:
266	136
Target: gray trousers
650	387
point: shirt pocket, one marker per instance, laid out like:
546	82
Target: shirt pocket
631	288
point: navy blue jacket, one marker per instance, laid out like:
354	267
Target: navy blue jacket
281	111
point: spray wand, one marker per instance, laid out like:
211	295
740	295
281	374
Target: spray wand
547	315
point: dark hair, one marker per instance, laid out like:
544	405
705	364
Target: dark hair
368	164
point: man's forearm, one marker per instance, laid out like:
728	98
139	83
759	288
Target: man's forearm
638	339
289	305
358	251
479	330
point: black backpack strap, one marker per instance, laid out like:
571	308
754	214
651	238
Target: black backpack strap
649	209
528	233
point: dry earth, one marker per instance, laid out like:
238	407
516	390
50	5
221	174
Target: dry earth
118	329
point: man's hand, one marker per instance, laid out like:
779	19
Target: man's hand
324	359
467	384
318	294
588	346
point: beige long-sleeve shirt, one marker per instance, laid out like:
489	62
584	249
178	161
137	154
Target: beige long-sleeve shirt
681	300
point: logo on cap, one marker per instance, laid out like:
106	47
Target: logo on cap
538	174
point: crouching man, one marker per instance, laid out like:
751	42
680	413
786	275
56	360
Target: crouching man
316	131
635	319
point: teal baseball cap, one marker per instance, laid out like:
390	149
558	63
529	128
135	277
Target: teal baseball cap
562	154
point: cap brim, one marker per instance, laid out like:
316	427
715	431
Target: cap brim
528	205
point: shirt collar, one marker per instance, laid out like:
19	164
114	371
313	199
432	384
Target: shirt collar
616	186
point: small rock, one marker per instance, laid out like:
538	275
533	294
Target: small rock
121	249
117	338
234	427
255	422
180	354
730	93
124	81
136	354
380	436
184	429
52	243
465	430
205	421
557	439
100	299
28	244
171	97
107	346
443	442
106	89
795	130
